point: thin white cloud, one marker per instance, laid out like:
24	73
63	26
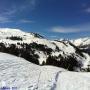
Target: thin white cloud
87	10
9	13
74	29
4	20
6	16
84	5
25	5
25	21
64	30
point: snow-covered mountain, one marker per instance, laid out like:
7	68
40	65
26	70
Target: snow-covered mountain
19	74
82	43
36	49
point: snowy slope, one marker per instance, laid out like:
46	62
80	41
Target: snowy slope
26	37
73	81
17	72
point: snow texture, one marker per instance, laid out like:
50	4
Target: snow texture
17	72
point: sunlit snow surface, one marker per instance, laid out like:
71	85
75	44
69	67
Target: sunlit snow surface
17	72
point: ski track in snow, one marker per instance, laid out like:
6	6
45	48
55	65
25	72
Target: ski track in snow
55	83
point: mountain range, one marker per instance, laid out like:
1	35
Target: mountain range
73	55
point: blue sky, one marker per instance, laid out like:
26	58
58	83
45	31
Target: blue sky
51	18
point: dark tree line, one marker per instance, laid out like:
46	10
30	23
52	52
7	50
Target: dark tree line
68	63
15	38
27	51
